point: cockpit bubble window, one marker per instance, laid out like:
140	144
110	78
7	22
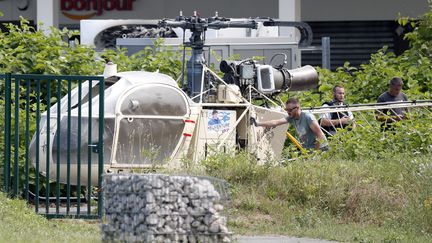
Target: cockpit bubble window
148	141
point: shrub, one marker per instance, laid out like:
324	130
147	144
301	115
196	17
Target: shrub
411	136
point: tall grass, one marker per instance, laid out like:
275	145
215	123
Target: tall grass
393	192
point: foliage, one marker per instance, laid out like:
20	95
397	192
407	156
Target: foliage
242	169
410	137
25	50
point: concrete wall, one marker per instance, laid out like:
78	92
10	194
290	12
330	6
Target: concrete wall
10	10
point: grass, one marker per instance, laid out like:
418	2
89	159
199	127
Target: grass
18	223
279	218
367	200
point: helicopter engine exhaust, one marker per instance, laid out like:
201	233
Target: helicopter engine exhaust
268	79
299	79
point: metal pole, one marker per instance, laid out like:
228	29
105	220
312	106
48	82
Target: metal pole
38	94
101	145
7	133
27	141
59	98
68	146
16	138
325	43
79	148
47	148
89	149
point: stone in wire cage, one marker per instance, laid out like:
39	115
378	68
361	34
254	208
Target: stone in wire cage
162	208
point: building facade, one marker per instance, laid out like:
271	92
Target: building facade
69	12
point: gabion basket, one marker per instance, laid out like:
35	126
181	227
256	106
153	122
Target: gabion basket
162	208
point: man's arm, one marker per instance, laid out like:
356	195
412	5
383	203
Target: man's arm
272	123
381	115
314	126
328	122
335	122
352	121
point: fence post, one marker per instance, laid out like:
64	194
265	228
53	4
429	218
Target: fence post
89	149
27	142
16	137
101	144
38	94
48	146
7	132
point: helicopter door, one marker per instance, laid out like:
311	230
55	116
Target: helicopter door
149	125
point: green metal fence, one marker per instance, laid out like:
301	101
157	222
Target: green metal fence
53	142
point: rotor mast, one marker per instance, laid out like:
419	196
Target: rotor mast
197	27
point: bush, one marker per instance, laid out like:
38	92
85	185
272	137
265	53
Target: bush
409	137
25	50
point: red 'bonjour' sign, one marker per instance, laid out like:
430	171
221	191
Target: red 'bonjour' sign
97	5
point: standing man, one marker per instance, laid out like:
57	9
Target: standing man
393	94
330	122
308	130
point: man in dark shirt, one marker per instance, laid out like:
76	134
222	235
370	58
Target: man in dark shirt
331	121
394	94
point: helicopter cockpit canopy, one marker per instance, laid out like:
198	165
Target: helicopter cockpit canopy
149	116
144	122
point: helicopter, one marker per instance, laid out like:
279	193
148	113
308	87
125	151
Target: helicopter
149	119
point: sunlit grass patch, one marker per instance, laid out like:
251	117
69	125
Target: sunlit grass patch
18	223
